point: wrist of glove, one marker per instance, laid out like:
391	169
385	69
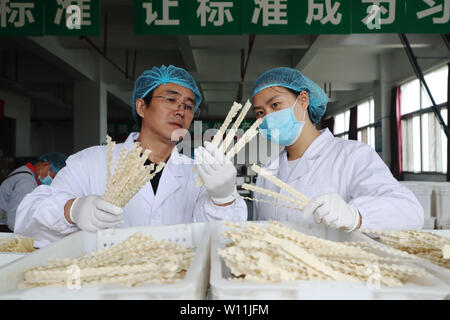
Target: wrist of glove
92	213
217	172
227	199
331	210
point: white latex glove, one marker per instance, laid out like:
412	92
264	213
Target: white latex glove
218	173
331	210
92	213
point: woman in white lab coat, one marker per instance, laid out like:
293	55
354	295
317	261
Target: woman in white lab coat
164	100
349	185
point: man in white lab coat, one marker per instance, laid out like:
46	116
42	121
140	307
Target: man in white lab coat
350	187
164	102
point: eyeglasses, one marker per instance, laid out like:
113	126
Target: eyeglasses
175	103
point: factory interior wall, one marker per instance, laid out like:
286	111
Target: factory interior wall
51	136
19	108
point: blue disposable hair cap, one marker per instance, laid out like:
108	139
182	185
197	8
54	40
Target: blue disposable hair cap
151	79
295	80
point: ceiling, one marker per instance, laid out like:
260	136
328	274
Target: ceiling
46	67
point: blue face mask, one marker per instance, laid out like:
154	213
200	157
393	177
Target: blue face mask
282	127
47	180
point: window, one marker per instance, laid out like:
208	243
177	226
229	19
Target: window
424	144
342	124
366	122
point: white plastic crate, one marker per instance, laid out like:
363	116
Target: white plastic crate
443	224
429	223
442	273
442	198
8	257
221	288
193	286
423	193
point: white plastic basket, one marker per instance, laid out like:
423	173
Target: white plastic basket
429	223
442	198
442	273
443	224
8	257
222	288
193	286
423	193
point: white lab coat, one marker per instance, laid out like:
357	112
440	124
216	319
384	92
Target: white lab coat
354	171
177	200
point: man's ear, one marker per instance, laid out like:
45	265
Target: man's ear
140	107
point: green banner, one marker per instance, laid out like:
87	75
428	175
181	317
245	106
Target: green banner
324	16
296	17
187	17
428	16
230	17
291	16
21	18
72	17
379	16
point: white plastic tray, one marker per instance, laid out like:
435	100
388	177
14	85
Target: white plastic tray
8	257
440	272
193	286
221	288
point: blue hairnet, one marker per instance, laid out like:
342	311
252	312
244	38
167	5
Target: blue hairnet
295	80
57	160
151	79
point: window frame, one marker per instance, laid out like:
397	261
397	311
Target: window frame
420	112
370	125
346	132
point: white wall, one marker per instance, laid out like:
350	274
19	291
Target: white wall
18	107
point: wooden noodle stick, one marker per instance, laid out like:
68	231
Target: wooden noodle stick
246	138
273	194
110	146
271	202
280	183
219	135
231	114
230	135
137	260
129	174
298	256
446	251
251	133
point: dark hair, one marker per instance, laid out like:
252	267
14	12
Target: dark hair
147	99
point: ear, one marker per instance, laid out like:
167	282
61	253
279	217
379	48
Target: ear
304	100
45	168
51	173
140	107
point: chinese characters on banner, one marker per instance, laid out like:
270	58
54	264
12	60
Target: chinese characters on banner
428	16
72	17
21	18
62	17
292	16
82	17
